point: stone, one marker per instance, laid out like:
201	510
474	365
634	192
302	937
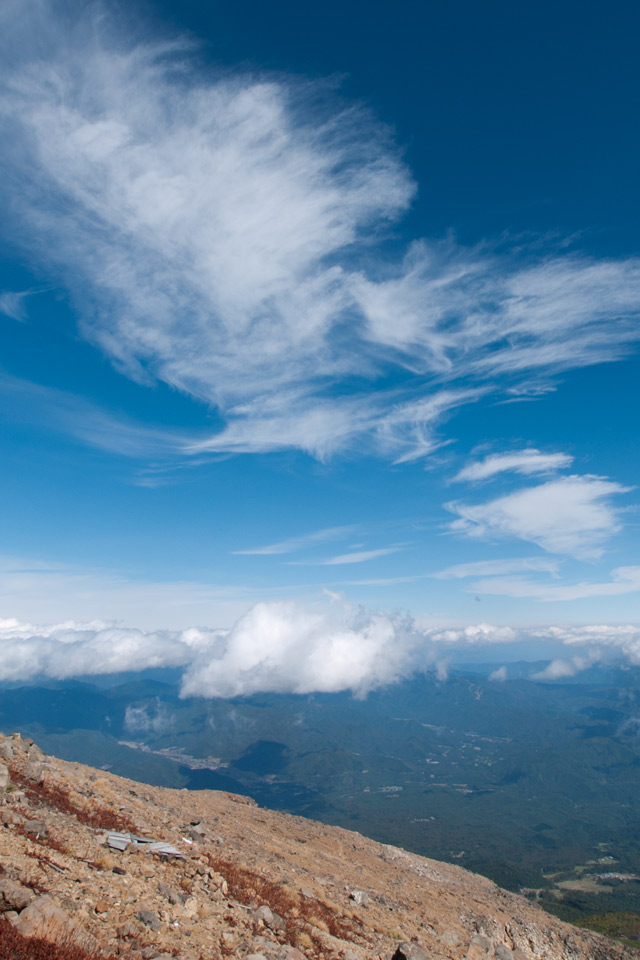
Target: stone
43	918
359	897
269	918
190	907
34	770
410	951
149	919
6	750
38	827
450	938
5	777
479	945
171	895
120	871
35	753
9	816
127	931
13	896
502	952
101	906
291	953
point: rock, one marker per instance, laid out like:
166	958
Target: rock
502	952
190	907
44	918
291	953
269	918
120	871
359	897
127	931
35	753
13	896
479	945
9	816
5	777
450	938
101	906
34	770
149	919
38	827
6	750
171	895
193	834
410	951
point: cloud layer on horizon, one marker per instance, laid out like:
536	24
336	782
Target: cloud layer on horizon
221	233
287	647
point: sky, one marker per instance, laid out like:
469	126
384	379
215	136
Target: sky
319	331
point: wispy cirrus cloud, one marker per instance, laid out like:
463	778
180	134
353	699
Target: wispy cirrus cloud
294	544
481	568
12	303
571	515
219	233
623	580
524	462
358	556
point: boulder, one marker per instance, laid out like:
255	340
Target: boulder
6	750
359	897
34	770
38	827
43	918
410	951
5	777
502	952
13	896
149	919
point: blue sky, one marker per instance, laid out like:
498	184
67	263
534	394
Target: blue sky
320	326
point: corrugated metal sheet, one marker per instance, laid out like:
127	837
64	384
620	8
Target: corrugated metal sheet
120	841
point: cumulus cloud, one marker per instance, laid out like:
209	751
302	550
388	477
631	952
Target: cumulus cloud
287	647
524	462
571	515
499	675
72	649
219	233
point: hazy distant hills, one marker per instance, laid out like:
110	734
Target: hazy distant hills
533	784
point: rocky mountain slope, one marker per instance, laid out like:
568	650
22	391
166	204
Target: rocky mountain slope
236	881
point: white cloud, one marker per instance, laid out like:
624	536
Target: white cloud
358	556
12	303
218	233
489	568
148	718
623	580
524	462
72	649
288	647
294	544
285	647
499	675
570	515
